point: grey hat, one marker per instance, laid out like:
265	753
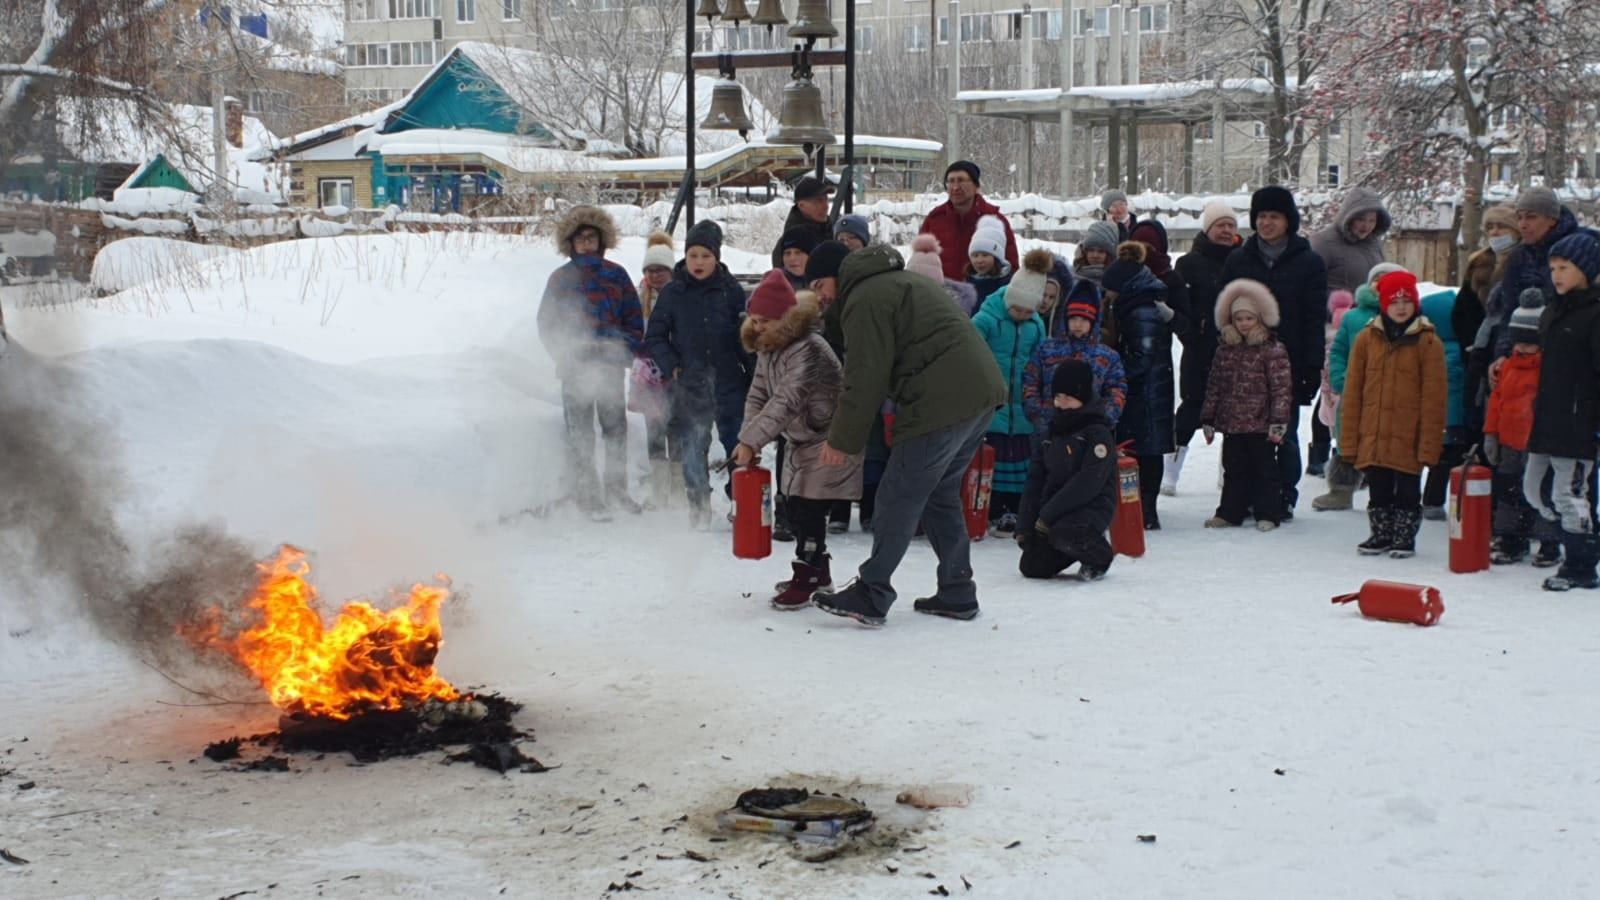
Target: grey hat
1101	236
1540	201
1110	197
1524	324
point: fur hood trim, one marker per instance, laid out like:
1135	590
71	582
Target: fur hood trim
1258	295
802	319
1132	251
585	216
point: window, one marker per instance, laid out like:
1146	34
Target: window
1153	17
978	27
398	53
1047	25
466	10
511	10
336	192
864	38
1011	26
1333	175
257	102
702	40
365	10
1095	22
916	37
1336	129
944	29
1202	131
1260	131
413	9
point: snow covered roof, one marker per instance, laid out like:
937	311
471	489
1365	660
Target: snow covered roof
522	74
297	145
1148	93
183	138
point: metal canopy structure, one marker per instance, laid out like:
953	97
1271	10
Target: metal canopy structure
1122	109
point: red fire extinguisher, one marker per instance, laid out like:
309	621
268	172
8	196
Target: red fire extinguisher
1127	525
1471	512
752	513
1397	601
975	490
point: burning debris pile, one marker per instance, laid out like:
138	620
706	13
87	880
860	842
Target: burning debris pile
364	684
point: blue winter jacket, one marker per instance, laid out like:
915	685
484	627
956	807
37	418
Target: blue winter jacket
1144	342
1438	307
694	328
1110	384
1012	344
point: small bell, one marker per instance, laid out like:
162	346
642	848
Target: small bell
736	12
811	20
770	13
800	122
727	109
709	9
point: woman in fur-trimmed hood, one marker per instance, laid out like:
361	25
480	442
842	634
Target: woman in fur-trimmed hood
578	218
793	394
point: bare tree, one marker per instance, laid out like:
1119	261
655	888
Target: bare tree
1443	84
1287	42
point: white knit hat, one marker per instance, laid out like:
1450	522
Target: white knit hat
1214	212
659	251
1026	290
989	237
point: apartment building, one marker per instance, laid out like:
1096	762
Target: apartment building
389	45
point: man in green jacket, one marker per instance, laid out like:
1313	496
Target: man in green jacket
905	341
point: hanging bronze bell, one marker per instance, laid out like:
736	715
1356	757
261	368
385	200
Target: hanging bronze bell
736	12
727	109
708	9
800	122
811	20
770	13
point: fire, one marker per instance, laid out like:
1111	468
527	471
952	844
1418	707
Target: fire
367	659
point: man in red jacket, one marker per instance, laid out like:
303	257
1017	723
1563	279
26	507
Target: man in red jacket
954	221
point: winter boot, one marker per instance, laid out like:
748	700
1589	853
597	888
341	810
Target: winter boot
1403	532
1508	551
661	483
699	511
850	602
1562	581
938	606
1005	526
1174	467
1220	522
1433	513
781	531
1381	522
808	579
1342	481
1549	555
1266	525
1317	460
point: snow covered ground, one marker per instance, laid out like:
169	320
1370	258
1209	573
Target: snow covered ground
382	401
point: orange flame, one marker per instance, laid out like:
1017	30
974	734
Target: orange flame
367	659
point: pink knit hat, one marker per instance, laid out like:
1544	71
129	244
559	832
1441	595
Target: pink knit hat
925	257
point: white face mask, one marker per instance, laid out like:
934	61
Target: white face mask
1500	243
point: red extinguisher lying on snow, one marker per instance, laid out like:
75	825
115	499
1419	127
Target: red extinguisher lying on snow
752	513
976	486
1127	525
1471	515
1396	601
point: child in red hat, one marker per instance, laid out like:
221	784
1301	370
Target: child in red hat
1392	413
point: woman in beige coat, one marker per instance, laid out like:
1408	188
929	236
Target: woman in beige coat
794	393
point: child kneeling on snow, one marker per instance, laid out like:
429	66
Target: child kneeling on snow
794	393
1248	399
1392	413
1071	495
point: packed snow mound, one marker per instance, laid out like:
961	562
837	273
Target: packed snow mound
133	261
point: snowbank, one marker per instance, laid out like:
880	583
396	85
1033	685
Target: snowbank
125	263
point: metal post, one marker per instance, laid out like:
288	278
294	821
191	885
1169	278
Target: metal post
848	188
1114	149
1219	145
1027	46
1188	157
1027	156
952	124
1114	59
685	201
1133	153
